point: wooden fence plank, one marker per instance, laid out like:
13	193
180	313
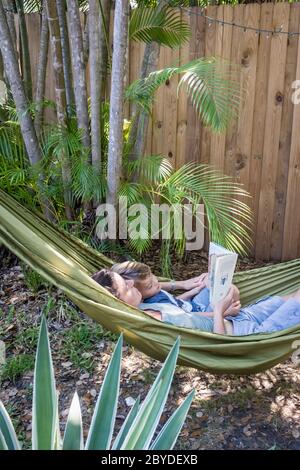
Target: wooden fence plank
292	215
285	137
260	109
210	38
196	51
231	135
272	132
181	137
170	106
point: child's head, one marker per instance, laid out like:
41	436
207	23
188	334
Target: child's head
142	276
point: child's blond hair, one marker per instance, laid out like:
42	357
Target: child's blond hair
132	270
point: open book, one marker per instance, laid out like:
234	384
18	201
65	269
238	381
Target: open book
221	268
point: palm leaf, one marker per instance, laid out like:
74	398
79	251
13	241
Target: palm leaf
211	85
164	26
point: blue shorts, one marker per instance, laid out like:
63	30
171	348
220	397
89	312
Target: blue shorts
200	302
269	314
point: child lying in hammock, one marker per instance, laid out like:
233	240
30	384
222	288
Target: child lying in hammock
269	314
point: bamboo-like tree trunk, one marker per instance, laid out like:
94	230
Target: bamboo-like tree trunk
65	46
24	50
60	96
17	89
1	68
79	75
86	37
10	8
115	146
104	44
95	82
41	70
140	119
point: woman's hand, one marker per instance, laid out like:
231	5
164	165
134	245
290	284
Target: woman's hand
227	302
233	310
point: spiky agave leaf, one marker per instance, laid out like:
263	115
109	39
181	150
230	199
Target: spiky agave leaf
44	406
143	427
7	430
100	433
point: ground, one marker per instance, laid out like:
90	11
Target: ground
260	411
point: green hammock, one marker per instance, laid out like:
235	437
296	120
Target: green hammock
67	263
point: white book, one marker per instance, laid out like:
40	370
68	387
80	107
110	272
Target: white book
221	267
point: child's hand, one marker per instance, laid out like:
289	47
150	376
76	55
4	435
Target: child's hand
195	282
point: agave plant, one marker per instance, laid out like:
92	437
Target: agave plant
137	431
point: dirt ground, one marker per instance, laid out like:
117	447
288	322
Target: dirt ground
260	411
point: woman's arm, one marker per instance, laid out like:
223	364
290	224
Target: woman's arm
153	313
219	324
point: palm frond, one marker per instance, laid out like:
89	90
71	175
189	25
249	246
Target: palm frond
213	90
211	84
151	168
32	6
164	26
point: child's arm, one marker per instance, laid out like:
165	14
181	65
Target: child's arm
190	294
188	284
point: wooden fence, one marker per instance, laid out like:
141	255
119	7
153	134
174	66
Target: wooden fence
262	147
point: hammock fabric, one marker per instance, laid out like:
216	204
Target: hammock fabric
68	263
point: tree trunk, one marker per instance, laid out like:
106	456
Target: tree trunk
1	68
86	37
95	82
104	44
65	45
41	71
60	96
24	50
19	96
79	72
140	119
10	8
115	146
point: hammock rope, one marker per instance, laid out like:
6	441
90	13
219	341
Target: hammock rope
67	262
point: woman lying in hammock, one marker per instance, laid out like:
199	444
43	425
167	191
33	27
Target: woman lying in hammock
269	314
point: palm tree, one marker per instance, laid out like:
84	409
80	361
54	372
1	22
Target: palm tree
65	47
41	70
61	103
24	46
78	65
115	147
18	92
95	82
